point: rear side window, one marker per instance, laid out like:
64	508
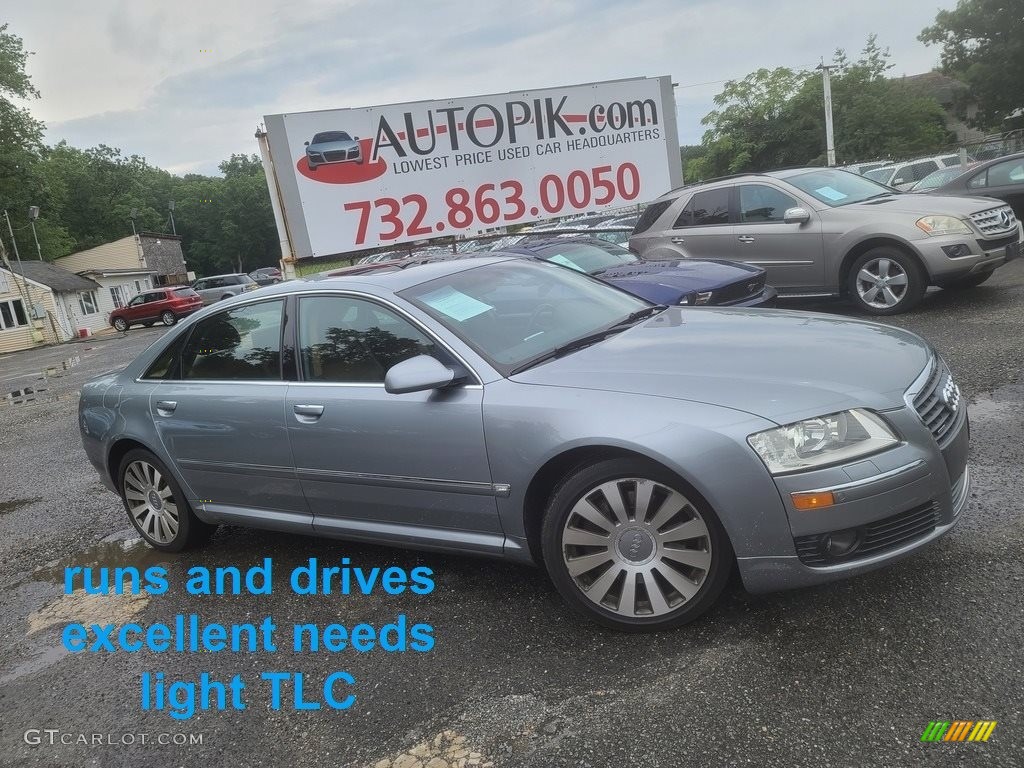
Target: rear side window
651	214
185	293
705	209
242	344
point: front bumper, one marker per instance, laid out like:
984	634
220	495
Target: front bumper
899	501
983	255
766	298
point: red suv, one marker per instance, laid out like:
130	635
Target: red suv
164	305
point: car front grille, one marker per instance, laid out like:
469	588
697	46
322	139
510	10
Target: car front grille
995	221
997	243
938	404
336	156
875	538
739	291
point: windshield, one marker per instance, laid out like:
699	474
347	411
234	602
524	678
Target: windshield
331	136
879	174
837	188
514	311
587	257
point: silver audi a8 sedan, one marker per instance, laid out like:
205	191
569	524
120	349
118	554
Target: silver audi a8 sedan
523	410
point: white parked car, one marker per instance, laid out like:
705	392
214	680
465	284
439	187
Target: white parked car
904	175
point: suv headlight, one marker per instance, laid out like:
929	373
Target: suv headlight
942	225
821	441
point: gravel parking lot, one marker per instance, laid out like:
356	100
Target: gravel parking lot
838	675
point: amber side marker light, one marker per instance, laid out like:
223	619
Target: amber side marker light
813	500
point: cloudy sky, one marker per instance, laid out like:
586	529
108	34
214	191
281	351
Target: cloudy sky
186	83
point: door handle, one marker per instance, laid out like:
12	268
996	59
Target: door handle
678	240
166	407
745	239
308	413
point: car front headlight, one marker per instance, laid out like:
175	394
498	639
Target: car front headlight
821	441
942	225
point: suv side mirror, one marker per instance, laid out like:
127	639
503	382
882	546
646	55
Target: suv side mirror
307	143
417	374
796	216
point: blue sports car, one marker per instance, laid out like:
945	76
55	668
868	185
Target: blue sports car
332	147
679	281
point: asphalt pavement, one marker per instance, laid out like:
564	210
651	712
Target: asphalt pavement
847	674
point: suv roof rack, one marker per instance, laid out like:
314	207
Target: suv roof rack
715	180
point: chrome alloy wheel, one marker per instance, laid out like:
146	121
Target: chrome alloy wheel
151	502
882	283
636	547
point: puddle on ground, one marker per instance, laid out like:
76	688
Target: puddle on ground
55	371
34	396
10	506
120	549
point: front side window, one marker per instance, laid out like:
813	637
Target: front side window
705	209
12	314
760	203
514	311
1005	174
241	344
348	340
87	302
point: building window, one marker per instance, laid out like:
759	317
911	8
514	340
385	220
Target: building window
4	287
12	314
87	302
119	295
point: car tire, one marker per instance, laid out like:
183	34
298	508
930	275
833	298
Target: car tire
156	506
120	324
312	167
886	281
585	528
168	318
972	281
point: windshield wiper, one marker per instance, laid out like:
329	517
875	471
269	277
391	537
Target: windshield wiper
590	338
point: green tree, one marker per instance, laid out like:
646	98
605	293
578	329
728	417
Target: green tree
983	45
776	118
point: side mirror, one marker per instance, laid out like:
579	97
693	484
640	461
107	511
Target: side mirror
307	143
417	374
355	138
796	216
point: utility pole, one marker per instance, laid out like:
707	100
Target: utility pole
170	207
826	82
14	243
33	214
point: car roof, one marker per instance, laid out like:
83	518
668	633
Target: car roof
399	277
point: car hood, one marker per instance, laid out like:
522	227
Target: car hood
924	204
685	274
780	365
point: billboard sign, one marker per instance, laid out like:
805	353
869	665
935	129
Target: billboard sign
352	179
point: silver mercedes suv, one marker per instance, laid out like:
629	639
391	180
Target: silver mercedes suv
828	232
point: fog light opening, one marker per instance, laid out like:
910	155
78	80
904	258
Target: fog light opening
840	544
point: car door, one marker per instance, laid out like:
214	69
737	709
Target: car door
151	303
220	417
791	253
1003	180
703	229
408	468
135	310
